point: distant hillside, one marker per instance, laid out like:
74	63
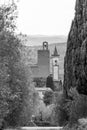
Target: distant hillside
35	40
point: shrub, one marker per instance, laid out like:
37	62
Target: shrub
75	127
39	82
48	97
59	115
77	107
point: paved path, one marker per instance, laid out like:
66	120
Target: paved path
41	128
37	128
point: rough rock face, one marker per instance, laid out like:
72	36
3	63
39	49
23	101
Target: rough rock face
75	65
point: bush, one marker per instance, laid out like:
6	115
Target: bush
77	107
48	97
59	116
75	127
39	82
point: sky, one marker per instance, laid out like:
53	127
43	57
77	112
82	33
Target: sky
45	17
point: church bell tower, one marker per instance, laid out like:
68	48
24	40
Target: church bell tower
45	45
44	61
55	65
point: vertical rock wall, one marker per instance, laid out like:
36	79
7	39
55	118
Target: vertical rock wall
75	65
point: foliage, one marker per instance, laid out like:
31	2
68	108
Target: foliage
77	107
39	82
31	98
59	115
75	127
28	109
9	93
11	78
49	82
75	65
10	83
69	111
16	88
26	53
8	14
48	97
43	112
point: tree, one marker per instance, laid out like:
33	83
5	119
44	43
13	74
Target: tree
8	59
49	82
16	89
17	93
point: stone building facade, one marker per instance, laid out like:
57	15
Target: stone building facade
43	68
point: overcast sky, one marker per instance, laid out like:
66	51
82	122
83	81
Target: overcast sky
45	17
